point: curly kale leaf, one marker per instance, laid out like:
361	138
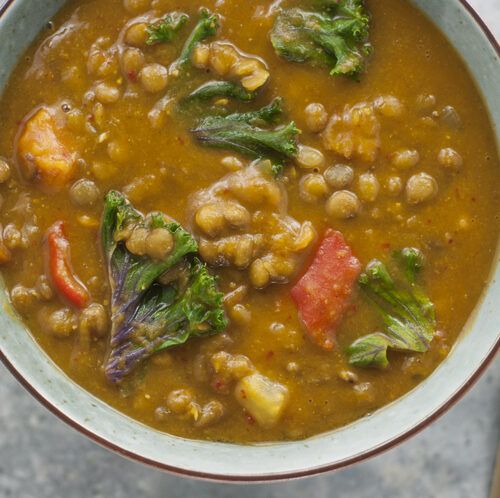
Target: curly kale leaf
206	27
407	312
336	37
168	316
147	316
269	114
167	29
132	275
239	133
220	89
412	262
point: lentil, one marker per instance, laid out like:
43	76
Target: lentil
84	193
154	77
450	159
420	188
339	176
343	204
316	117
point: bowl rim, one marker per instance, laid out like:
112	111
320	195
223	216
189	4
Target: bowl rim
252	478
262	478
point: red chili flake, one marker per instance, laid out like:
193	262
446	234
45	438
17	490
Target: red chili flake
386	246
270	354
132	75
243	394
218	384
249	418
180	140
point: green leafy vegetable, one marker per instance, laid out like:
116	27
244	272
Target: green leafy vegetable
166	30
412	260
371	351
148	316
407	312
207	26
269	114
220	89
336	37
345	8
239	132
132	274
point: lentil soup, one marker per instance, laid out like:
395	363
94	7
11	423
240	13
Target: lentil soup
241	221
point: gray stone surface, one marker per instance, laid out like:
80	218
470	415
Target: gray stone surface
489	10
40	457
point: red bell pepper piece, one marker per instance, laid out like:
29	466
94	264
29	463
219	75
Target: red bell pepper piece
323	294
61	271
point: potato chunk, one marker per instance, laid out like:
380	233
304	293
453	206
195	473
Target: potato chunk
264	399
43	157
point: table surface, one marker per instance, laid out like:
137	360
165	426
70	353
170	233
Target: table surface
40	457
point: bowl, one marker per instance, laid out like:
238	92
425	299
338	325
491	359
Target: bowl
20	20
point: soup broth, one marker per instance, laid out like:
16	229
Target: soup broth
399	156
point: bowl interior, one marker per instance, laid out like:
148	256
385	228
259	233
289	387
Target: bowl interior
476	346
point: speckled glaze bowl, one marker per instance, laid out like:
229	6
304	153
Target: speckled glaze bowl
20	20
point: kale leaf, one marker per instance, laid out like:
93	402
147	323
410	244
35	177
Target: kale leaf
407	312
166	30
336	37
207	26
219	89
241	133
148	316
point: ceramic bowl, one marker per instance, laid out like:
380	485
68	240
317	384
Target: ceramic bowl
20	20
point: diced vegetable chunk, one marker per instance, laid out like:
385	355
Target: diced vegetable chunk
65	280
264	399
323	294
43	156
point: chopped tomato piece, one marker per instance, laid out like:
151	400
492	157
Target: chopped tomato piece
63	277
43	156
322	295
